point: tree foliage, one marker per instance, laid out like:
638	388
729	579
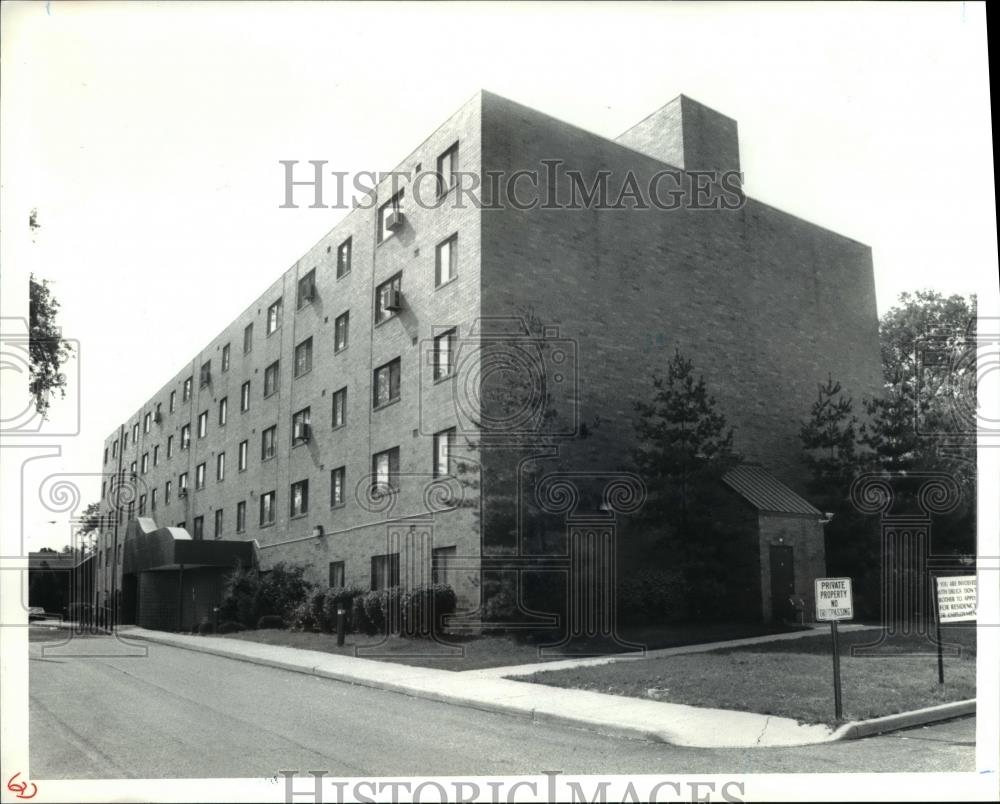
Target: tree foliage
684	447
47	351
918	424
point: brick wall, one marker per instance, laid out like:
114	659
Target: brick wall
765	304
357	530
805	536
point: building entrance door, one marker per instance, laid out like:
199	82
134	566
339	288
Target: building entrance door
782	582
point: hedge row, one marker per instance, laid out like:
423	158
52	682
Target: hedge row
412	613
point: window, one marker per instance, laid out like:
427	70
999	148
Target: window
447	169
199	527
182	524
248	339
385	470
142	505
385	214
170	446
225	358
203	424
182	482
133	469
340	331
186	436
220	466
340	408
166	493
267	509
145	462
337	487
336	574
385	387
385	298
152	500
205	376
199	476
271	379
146	421
267	442
300	427
444	448
344	258
446	263
241	516
444	354
158	416
156	454
218	523
135	433
306	289
223	410
442	565
304	357
125	442
274	317
299	501
245	397
104	487
114	449
105	454
241	459
186	395
173	401
385	571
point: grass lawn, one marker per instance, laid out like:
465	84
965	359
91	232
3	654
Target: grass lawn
792	678
482	651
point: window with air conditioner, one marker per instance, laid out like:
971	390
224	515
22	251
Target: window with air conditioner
300	427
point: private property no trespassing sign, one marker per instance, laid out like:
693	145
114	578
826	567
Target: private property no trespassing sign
833	599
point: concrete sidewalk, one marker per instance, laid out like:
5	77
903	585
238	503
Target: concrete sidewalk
704	647
677	724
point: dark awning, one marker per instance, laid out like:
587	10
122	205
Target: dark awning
150	548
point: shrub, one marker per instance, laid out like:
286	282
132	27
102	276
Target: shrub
231	627
302	618
336	598
206	627
652	596
270	621
424	607
251	595
317	606
372	603
359	615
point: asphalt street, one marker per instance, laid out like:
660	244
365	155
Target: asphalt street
180	714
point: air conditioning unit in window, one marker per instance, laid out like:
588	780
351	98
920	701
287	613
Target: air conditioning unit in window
301	432
394	301
394	220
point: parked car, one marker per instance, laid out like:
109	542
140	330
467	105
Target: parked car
36	613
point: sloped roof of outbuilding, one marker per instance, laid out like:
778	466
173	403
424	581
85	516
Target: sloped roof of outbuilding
766	493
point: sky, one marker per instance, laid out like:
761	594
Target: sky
148	136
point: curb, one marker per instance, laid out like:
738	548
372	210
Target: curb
849	731
904	720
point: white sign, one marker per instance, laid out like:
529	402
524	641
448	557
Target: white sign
833	599
956	596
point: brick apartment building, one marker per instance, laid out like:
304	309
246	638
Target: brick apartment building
363	364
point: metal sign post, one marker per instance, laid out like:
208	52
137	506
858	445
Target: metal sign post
954	602
835	602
